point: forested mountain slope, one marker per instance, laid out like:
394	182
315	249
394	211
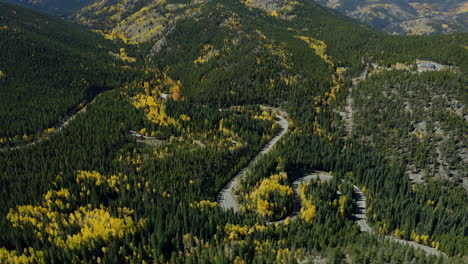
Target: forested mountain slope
418	120
56	7
135	178
416	17
49	68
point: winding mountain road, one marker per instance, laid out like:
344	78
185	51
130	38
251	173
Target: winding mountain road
321	176
226	198
64	123
359	213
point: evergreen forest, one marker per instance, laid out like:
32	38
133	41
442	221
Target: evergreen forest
123	126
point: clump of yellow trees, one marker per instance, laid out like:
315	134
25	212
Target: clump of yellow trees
271	197
308	209
29	256
149	100
60	212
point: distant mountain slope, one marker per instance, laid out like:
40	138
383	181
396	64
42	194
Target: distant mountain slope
136	20
56	7
416	17
47	67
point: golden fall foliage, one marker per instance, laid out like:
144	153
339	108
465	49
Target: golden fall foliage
133	159
262	194
123	55
139	21
342	203
175	91
308	209
153	106
423	239
53	219
331	96
208	52
228	138
398	233
29	256
279	51
234	232
52	225
264	116
97	224
320	48
276	248
185	117
143	24
89	179
275	9
319	131
203	204
239	260
233	21
154	112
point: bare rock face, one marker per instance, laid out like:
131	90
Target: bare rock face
136	21
414	17
277	8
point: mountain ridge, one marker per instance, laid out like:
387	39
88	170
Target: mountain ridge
56	7
418	17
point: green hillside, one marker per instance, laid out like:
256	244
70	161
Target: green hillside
49	67
141	176
55	7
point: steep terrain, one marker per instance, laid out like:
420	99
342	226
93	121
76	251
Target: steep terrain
135	177
417	17
49	69
56	7
419	120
